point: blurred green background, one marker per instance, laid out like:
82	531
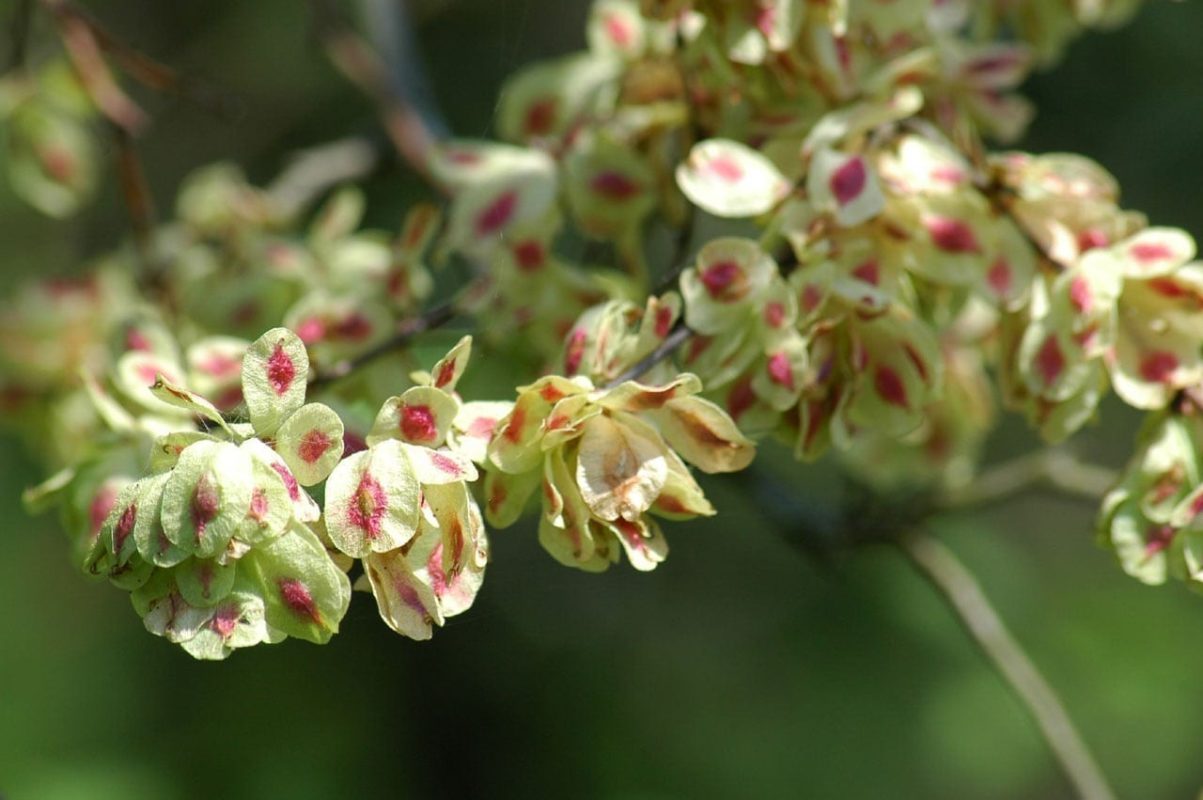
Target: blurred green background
741	668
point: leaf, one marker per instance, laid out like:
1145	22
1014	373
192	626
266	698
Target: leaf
372	500
275	373
310	441
730	179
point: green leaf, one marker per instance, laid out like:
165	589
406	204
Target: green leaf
207	497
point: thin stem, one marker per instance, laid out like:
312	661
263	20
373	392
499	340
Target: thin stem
1056	468
945	572
83	48
677	337
362	66
407	331
139	204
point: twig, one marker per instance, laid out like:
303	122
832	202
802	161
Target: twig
361	65
22	27
941	568
1056	468
139	203
676	337
80	42
407	331
138	65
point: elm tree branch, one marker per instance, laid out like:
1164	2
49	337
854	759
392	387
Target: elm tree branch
940	567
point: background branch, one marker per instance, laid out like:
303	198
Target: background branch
941	568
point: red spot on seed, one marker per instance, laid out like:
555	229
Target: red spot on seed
280	370
540	117
952	235
998	277
98	510
619	31
1050	361
258	511
311	330
780	371
1147	252
741	398
1092	238
314	445
290	482
1157	539
575	351
482	427
529	255
720	278
444	464
498	214
869	272
299	601
946	173
446	374
614	186
848	181
136	340
513	429
125	527
725	169
225	620
206	503
889	387
353	443
354	327
368	506
916	361
811	297
766	19
418	423
664	321
550	393
1079	294
1158	367
219	365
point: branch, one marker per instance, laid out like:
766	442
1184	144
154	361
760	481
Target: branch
149	72
407	331
677	337
363	67
83	48
941	568
1056	468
